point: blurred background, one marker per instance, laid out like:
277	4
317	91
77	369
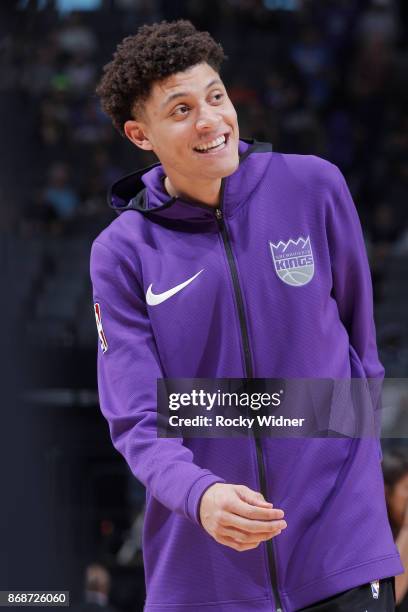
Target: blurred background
326	77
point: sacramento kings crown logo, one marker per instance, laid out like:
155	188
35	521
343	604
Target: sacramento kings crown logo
293	261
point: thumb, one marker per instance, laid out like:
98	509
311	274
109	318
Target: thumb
254	498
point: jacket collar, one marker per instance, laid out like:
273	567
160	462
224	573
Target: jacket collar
144	190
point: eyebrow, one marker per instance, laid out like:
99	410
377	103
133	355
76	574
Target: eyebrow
182	94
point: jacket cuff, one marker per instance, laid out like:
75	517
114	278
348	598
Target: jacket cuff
195	494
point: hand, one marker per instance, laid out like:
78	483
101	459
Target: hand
239	517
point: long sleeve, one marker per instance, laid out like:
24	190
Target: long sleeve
352	287
128	368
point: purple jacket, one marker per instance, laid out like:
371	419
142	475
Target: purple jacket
246	314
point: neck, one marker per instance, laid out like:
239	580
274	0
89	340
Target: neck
207	193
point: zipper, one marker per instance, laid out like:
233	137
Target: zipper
249	374
237	292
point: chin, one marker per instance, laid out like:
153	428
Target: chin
230	167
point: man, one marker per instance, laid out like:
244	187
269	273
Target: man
186	284
97	589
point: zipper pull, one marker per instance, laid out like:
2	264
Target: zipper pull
218	214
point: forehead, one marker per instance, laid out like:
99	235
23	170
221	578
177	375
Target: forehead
194	80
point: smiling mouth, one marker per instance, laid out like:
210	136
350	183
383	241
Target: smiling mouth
215	145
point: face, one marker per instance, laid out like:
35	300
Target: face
397	499
191	125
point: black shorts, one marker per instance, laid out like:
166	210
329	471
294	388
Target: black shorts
360	599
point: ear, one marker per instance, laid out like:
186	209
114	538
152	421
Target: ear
136	132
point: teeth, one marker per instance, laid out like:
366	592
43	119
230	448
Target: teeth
211	145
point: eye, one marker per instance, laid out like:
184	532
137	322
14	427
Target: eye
218	97
180	111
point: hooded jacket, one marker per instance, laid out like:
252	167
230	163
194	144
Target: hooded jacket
242	316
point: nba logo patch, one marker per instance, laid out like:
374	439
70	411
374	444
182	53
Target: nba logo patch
375	588
101	333
293	260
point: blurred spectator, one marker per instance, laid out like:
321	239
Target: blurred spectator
340	142
104	168
379	20
241	92
89	125
54	119
280	89
75	37
97	589
395	469
38	71
81	74
39	217
312	57
93	201
372	68
337	18
59	193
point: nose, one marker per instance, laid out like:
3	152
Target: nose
207	119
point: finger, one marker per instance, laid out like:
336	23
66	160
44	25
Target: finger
245	538
252	497
242	508
238	546
242	546
251	526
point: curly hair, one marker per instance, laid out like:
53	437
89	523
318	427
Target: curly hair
152	54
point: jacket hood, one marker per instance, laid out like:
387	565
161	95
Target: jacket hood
144	191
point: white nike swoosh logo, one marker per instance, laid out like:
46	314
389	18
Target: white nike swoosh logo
153	299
